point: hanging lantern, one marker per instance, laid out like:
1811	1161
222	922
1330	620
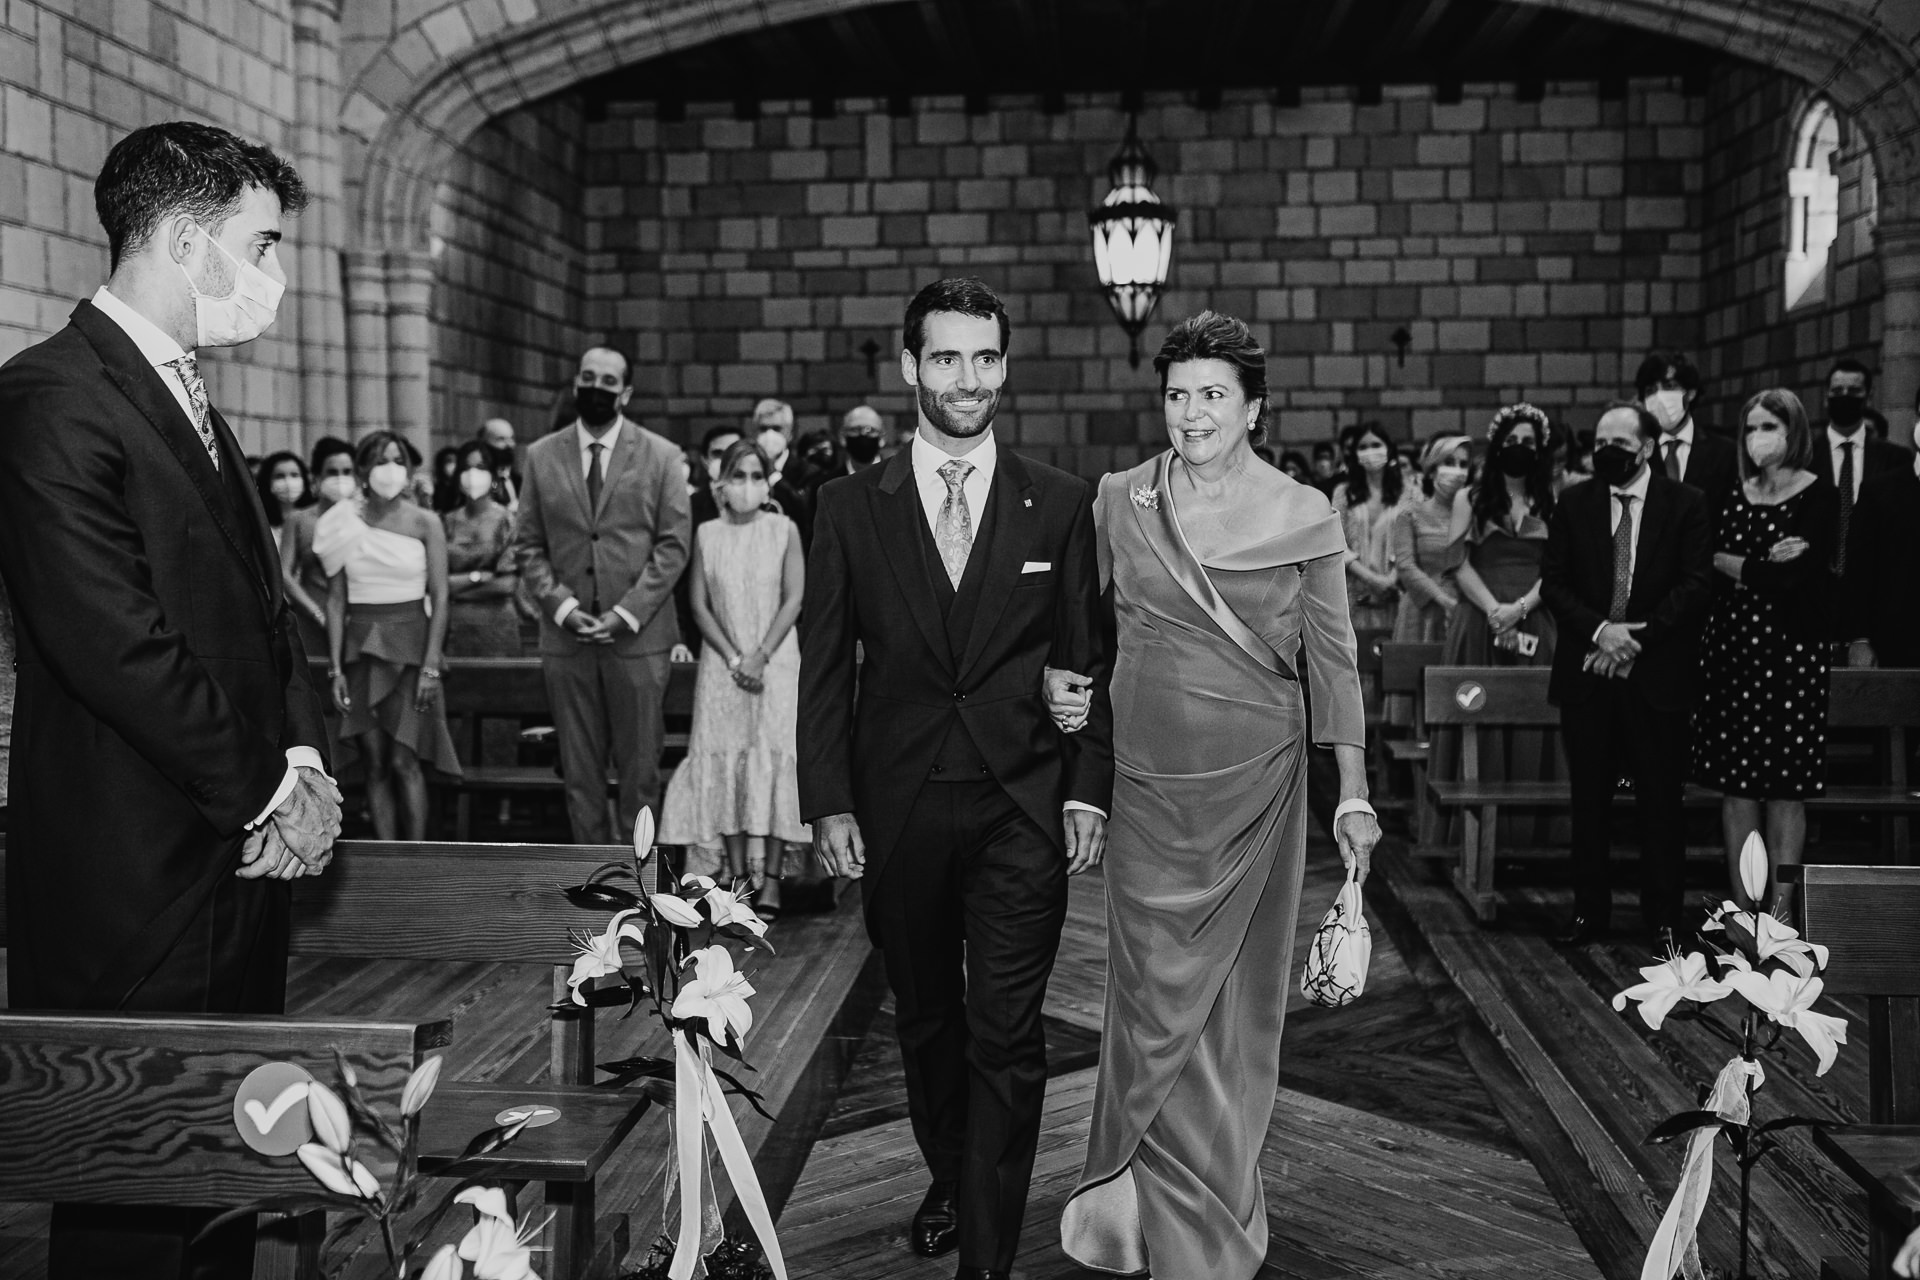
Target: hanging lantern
1132	240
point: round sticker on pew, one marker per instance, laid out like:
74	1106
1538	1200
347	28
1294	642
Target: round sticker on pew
270	1109
1470	696
535	1114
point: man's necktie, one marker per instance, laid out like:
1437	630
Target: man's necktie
1846	506
1622	560
953	530
189	370
1673	459
595	476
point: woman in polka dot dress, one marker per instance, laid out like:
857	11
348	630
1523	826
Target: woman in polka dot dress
1760	731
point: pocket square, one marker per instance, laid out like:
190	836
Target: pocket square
1036	566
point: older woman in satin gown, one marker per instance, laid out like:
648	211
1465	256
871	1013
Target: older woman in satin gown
1226	577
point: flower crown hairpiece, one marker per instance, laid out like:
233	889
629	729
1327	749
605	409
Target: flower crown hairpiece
1516	413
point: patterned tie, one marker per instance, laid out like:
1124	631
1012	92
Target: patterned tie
1846	506
595	476
1673	459
189	370
953	531
1622	560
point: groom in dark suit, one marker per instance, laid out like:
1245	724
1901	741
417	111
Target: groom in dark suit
1628	565
168	774
933	772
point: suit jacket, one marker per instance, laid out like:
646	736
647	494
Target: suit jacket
1877	457
1880	596
628	551
1029	599
1711	466
1672	579
161	679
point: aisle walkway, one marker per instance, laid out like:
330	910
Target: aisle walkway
1386	1157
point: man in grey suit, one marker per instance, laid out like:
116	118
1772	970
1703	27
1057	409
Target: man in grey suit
603	536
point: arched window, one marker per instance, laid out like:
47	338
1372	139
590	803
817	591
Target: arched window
1813	196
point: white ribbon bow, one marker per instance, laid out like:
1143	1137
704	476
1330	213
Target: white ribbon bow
698	1105
1674	1249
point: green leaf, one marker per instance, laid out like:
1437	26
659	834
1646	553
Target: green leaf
310	1202
602	897
1683	1123
1794	1122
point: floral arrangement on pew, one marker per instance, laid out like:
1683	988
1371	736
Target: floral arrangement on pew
499	1248
675	929
1776	973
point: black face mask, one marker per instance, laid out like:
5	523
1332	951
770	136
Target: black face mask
1846	411
862	449
1518	460
595	405
1615	465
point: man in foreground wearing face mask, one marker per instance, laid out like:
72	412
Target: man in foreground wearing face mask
1628	569
603	537
1667	384
168	748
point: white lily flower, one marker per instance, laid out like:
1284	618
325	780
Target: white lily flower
1678	978
729	908
600	954
675	910
496	1248
717	993
1787	998
331	1124
1770	938
1906	1263
702	883
337	1173
420	1086
1753	867
643	833
445	1265
488	1202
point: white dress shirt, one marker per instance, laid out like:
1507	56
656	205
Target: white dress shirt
985	457
585	439
1636	509
158	350
1835	443
1685	436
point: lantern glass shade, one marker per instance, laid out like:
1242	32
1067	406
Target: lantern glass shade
1132	240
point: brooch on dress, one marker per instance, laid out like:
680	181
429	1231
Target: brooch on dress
1147	496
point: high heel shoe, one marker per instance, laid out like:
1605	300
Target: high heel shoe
766	897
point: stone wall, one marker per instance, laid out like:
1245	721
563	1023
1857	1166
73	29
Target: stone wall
1529	248
79	74
1751	339
510	231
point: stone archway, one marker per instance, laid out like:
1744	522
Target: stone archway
415	100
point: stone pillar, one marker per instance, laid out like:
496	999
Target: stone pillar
410	346
1899	244
366	320
319	234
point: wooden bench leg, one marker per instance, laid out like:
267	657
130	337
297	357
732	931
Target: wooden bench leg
1423	833
287	1247
571	1234
1474	877
611	1242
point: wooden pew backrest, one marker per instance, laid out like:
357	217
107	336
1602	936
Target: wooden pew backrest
1860	698
1403	666
1865	917
131	1109
1489	695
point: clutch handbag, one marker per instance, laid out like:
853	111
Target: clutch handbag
1336	968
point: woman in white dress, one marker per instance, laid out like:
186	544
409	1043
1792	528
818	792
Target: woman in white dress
739	785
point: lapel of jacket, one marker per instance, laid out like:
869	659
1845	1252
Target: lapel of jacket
626	450
573	473
246	501
141	385
1653	527
896	506
1011	522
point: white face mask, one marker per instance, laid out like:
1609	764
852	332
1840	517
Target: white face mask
388	480
338	488
242	315
1766	449
289	489
745	495
1668	406
1447	479
476	483
1372	457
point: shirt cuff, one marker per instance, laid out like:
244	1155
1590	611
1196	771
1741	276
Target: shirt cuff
1084	808
1595	637
298	758
560	614
633	623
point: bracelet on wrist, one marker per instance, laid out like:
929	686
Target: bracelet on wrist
1356	805
429	673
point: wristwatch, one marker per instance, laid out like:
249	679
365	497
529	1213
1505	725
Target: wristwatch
476	576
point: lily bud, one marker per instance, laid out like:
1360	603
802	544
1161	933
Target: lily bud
1753	868
643	834
420	1086
445	1265
327	1167
675	910
363	1179
329	1116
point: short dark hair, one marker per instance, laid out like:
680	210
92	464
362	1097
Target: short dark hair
1214	335
966	295
1649	425
715	432
1655	366
326	447
1848	364
183	167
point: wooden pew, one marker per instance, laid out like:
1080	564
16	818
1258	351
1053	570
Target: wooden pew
1484	699
1865	917
1402	673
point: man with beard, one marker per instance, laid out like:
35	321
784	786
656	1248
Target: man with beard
603	535
941	784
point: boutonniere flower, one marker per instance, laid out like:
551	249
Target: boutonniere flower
1147	497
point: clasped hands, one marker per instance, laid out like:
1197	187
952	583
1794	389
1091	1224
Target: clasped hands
297	838
589	629
1614	650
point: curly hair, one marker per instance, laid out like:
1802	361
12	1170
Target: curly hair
1490	503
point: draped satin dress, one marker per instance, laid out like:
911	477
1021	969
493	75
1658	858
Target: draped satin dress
1205	853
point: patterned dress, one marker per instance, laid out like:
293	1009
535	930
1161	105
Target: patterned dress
1760	727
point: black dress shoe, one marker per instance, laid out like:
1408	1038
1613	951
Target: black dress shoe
935	1230
1581	931
981	1273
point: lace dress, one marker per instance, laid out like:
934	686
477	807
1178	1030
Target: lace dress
740	776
